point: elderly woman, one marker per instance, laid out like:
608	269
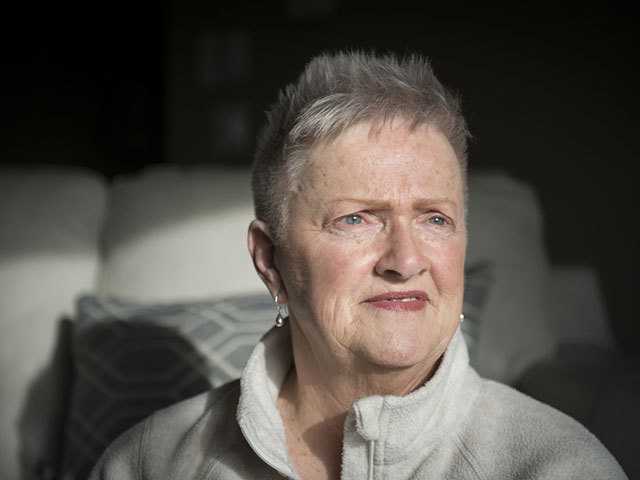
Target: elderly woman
359	186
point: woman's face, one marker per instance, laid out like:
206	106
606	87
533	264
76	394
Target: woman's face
374	254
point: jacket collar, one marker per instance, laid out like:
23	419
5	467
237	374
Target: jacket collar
400	425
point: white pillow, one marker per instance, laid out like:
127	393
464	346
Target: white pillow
50	220
506	230
175	234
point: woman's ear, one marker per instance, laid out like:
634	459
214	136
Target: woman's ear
261	249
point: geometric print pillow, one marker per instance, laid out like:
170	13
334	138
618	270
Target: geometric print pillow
478	279
130	360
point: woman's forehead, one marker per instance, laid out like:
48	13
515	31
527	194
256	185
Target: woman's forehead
394	160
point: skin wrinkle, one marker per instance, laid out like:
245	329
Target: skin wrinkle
345	349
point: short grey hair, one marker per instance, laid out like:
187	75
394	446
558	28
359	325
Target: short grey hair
333	93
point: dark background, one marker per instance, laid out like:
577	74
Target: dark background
550	93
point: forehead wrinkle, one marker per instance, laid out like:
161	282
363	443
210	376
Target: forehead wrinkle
378	191
332	164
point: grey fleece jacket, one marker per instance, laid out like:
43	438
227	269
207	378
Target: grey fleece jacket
457	426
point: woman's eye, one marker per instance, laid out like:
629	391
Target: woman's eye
438	220
353	219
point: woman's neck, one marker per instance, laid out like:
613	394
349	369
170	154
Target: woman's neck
317	395
314	437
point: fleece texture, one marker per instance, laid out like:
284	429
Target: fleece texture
456	426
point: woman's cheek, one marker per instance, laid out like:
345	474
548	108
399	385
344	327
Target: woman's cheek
354	261
448	267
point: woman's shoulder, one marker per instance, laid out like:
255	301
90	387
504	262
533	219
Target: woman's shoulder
509	431
186	414
173	439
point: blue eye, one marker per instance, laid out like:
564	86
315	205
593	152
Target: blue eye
438	220
353	219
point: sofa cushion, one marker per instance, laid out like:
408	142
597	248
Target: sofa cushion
505	225
132	359
51	218
478	284
176	234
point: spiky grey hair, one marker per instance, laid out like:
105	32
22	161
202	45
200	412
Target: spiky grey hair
333	93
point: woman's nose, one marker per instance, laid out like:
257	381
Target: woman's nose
404	255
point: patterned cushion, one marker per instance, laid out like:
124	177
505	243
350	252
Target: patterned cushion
131	360
478	280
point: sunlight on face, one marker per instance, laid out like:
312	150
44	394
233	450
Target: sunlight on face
375	246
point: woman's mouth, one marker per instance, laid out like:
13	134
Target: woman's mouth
413	300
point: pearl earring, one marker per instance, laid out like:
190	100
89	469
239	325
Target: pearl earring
462	317
280	318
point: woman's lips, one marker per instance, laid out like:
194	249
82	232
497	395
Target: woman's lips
413	300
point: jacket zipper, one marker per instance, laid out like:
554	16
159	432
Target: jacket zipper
372	446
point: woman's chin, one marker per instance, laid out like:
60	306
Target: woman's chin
395	354
403	346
